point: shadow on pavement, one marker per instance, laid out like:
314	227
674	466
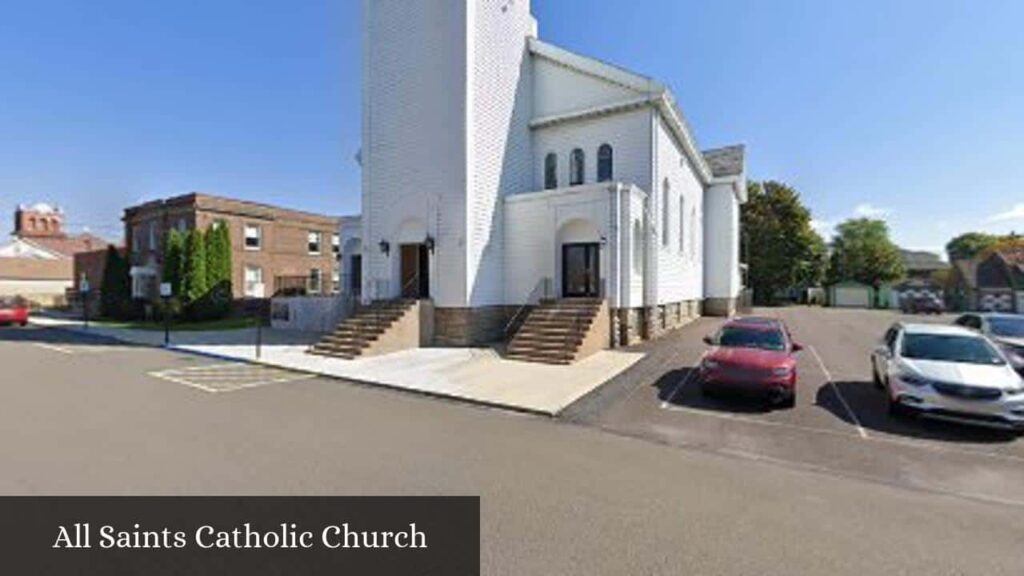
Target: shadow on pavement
56	336
690	395
869	405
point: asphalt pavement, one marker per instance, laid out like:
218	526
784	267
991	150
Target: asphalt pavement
80	416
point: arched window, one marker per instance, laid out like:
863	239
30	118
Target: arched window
693	232
577	162
665	222
638	247
551	171
604	163
682	221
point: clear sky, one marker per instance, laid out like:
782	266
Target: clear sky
906	109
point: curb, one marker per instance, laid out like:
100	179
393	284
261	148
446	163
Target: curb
359	382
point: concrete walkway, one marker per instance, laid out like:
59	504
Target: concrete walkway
478	375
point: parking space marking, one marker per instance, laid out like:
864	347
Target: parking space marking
228	377
667	402
54	348
835	389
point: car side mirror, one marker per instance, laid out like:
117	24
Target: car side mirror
796	347
883	350
709	340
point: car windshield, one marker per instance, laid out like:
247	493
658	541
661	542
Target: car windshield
950	348
737	337
1007	327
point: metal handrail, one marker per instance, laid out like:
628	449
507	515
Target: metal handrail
531	300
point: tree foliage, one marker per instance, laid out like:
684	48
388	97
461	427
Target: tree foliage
174	260
862	252
969	245
116	290
783	250
194	280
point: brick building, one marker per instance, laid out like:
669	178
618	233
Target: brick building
271	248
37	261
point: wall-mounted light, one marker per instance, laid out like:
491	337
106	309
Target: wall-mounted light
603	240
430	243
385	247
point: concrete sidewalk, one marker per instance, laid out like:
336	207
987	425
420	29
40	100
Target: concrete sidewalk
478	375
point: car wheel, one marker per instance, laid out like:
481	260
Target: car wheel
899	410
788	401
24	324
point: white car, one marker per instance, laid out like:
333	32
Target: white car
948	372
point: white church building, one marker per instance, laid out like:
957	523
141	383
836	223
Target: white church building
498	169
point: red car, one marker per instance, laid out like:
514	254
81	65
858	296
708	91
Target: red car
752	356
13	311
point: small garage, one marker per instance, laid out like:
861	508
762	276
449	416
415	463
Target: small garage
850	295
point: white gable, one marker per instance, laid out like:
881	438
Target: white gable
20	248
558	89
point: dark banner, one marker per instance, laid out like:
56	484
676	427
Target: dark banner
253	536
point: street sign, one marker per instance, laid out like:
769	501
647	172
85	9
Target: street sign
165	289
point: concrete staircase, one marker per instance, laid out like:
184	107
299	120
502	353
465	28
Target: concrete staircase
371	330
561	331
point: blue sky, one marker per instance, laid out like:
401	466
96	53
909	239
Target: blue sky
905	109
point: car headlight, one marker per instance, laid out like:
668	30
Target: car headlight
913	380
1015	392
710	364
782	371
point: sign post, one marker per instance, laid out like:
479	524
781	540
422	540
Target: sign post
165	295
83	289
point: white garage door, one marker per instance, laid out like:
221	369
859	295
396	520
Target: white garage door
852	297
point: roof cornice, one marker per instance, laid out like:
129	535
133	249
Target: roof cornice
651	93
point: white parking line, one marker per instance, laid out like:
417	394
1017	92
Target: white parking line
54	348
228	377
667	402
853	416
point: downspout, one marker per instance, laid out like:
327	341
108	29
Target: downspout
651	237
615	261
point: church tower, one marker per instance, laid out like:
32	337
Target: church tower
446	111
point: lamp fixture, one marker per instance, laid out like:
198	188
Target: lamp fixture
385	247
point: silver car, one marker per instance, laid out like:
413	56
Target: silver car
948	372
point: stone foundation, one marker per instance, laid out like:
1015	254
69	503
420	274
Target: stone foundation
720	306
634	325
471	326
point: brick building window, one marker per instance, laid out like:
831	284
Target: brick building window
313	243
315	281
336	245
253	237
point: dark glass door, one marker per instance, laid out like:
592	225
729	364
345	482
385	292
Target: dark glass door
356	275
581	271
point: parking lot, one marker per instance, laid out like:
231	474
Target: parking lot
839	425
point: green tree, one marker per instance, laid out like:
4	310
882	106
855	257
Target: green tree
174	260
862	252
969	245
783	250
218	271
193	282
116	289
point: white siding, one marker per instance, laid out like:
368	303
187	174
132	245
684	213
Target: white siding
680	274
500	158
557	89
721	242
414	137
628	133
